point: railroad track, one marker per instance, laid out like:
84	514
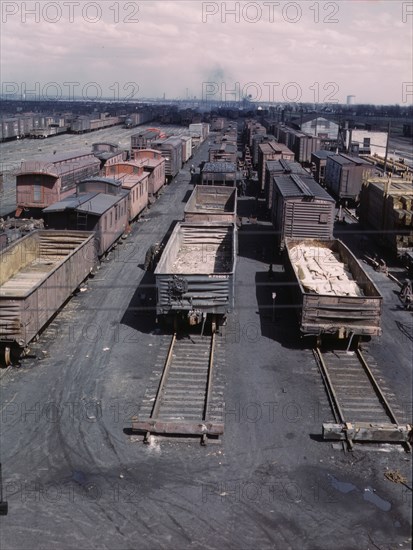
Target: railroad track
360	408
185	401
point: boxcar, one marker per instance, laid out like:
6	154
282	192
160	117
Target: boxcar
39	273
171	150
210	203
196	272
327	303
345	174
301	209
278	168
186	148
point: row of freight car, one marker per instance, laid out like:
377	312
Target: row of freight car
43	126
332	293
41	270
195	276
176	150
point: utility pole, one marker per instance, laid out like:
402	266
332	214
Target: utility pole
387	147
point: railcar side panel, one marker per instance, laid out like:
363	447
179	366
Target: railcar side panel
333	314
41	272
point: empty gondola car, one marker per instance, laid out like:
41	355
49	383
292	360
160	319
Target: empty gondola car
196	272
212	203
39	273
332	292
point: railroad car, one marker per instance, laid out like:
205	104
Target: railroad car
10	128
80	125
39	273
153	163
43	133
210	203
301	209
332	292
108	153
135	119
257	139
145	138
219	173
99	205
344	176
195	275
186	148
278	168
135	180
270	150
84	124
171	149
41	182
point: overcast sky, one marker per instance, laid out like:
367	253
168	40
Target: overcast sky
294	51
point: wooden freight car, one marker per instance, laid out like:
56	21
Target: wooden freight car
212	203
196	273
38	274
332	293
301	209
99	205
41	182
344	176
171	150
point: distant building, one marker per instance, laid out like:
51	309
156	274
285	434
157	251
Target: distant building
351	99
365	142
317	126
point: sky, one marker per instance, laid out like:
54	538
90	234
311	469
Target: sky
306	51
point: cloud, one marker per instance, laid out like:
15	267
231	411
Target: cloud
166	47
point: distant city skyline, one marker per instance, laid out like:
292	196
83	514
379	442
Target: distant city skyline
312	52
